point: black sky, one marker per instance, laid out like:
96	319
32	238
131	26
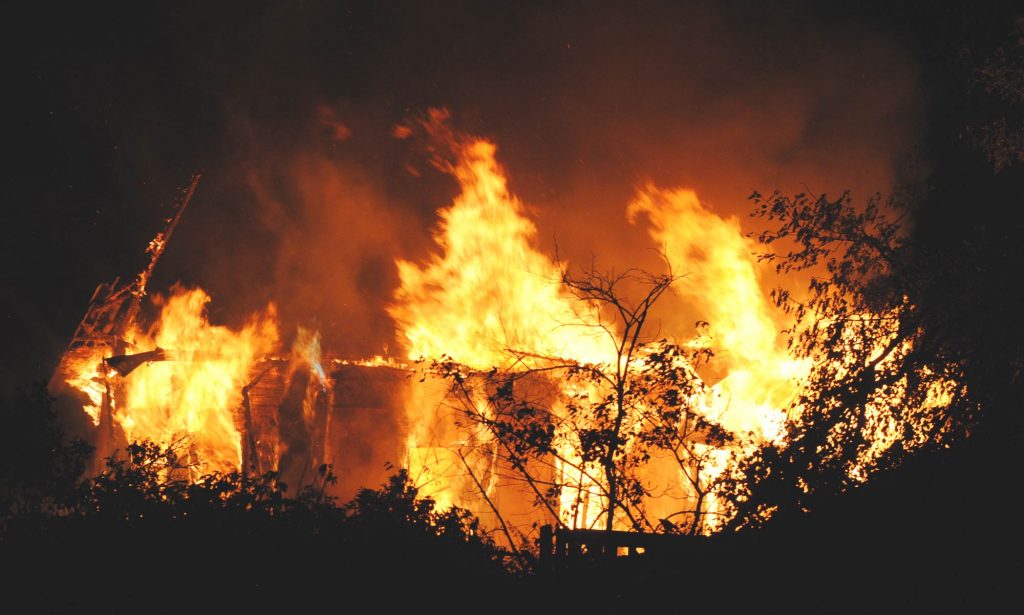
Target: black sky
110	107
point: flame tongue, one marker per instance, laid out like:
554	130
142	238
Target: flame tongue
306	351
491	291
723	284
491	299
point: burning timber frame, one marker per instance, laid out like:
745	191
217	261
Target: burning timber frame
276	395
111	311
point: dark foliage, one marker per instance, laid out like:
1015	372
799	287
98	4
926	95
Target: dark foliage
897	311
934	527
885	381
148	533
39	469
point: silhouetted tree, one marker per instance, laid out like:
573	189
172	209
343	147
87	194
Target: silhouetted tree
594	441
882	382
39	466
916	338
1000	135
147	519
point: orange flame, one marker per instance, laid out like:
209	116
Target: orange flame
87	374
194	396
492	291
491	299
723	283
488	299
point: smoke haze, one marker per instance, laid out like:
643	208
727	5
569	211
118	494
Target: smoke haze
308	198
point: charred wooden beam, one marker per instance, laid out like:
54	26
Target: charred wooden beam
127	363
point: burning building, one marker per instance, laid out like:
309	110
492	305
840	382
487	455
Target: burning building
524	394
224	397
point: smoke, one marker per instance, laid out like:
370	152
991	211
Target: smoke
313	198
308	198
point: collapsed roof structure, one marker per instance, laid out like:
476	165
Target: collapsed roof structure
290	416
112	310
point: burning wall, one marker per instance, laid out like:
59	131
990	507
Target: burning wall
297	417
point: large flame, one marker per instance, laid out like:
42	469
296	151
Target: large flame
491	291
193	397
723	283
492	299
489	300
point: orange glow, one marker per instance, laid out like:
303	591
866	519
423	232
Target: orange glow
86	374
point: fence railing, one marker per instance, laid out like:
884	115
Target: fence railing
563	548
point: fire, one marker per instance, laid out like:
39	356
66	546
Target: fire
723	283
492	291
886	421
88	375
491	299
192	397
493	304
306	351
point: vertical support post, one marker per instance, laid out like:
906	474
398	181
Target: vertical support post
105	431
547	552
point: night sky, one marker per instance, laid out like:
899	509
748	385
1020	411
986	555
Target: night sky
287	108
